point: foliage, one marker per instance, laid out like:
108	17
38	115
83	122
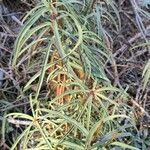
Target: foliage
146	74
63	49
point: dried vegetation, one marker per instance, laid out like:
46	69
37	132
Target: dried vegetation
74	74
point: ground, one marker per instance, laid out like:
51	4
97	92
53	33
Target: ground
129	56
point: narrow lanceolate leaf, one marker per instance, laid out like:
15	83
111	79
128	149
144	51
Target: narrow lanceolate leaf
43	70
68	119
20	137
89	111
146	74
91	133
124	146
23	32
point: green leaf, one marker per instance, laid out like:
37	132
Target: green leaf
123	145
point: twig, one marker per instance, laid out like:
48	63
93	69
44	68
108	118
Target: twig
18	122
125	46
139	21
141	108
17	20
13	106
